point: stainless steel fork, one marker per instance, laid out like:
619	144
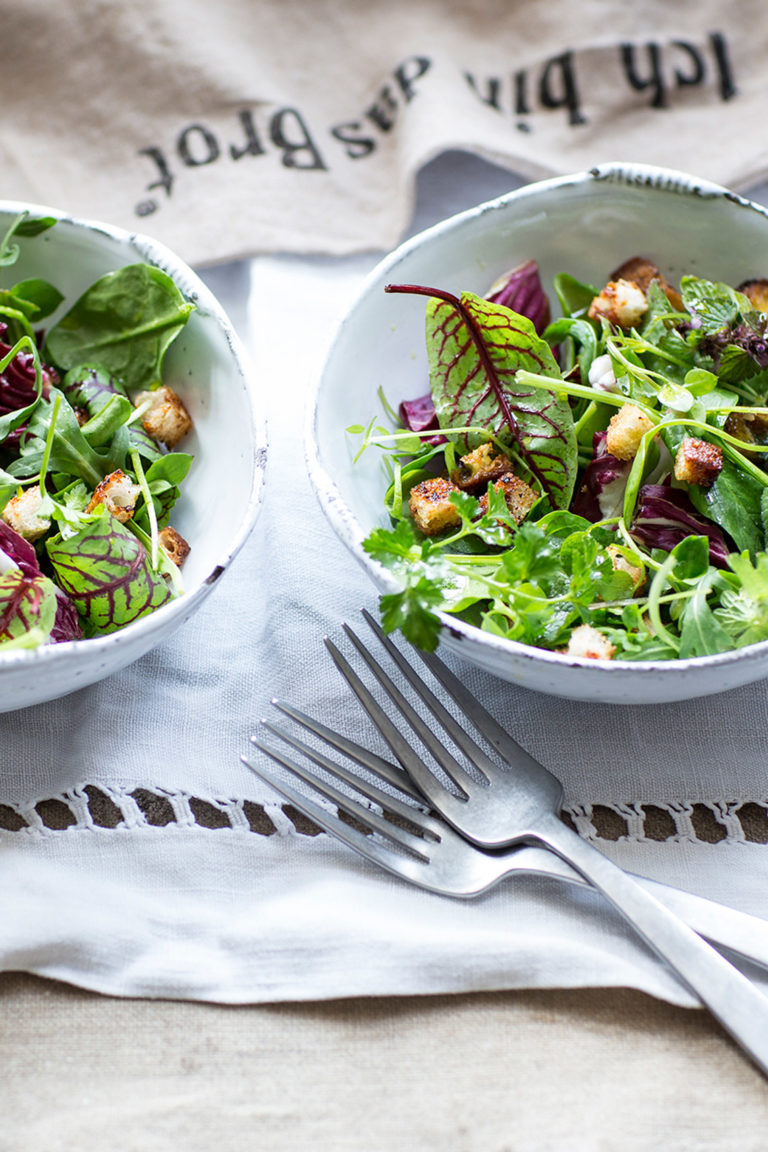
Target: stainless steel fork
420	847
518	801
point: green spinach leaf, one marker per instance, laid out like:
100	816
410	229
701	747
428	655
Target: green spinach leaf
125	322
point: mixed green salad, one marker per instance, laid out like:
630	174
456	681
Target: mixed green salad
596	484
88	471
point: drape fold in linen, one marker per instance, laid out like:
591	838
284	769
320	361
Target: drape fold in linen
231	129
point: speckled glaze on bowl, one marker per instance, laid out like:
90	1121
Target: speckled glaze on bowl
208	367
585	224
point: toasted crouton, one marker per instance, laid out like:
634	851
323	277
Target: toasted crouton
588	643
174	545
751	427
20	513
118	493
643	272
478	468
621	302
431	508
625	431
166	419
756	292
622	564
519	497
698	461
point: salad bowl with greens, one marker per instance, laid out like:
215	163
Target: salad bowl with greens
122	388
559	463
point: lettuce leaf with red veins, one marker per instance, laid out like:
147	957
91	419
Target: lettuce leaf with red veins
27	607
106	572
475	349
18	555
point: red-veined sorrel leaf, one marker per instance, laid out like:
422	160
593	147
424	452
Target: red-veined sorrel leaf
25	603
475	348
105	570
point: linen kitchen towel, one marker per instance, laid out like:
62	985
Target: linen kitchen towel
236	128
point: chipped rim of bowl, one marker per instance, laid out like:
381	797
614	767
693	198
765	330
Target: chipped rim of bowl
349	529
153	252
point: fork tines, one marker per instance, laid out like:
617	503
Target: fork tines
378	824
458	773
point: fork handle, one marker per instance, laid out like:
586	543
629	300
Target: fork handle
732	999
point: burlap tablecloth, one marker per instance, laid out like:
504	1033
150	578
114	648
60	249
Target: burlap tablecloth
589	1071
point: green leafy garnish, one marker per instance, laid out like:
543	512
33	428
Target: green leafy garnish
124	322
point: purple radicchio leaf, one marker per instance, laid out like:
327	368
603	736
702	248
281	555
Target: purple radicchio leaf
105	571
19	551
26	603
665	516
601	494
66	626
17	384
16	552
522	292
475	350
419	416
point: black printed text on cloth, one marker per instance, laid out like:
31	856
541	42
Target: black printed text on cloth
234	129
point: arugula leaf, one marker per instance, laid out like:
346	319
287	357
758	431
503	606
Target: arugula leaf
105	571
164	478
474	355
70	451
126	322
21	225
733	502
573	295
33	225
701	633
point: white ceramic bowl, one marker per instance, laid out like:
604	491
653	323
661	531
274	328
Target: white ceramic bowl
585	224
208	368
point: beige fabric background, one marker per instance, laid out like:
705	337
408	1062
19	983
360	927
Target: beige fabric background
240	127
593	1071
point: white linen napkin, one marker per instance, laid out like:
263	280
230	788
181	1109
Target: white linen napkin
141	858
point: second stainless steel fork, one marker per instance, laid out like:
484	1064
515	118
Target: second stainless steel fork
509	798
